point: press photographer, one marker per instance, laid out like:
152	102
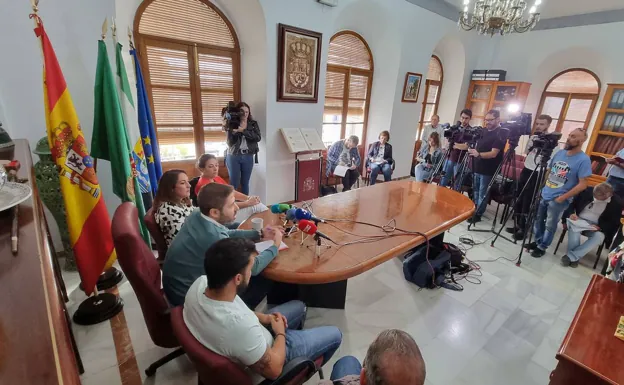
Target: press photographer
528	176
454	135
243	135
487	156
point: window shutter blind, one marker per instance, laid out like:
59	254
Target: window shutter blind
192	64
435	69
574	82
348	50
189	20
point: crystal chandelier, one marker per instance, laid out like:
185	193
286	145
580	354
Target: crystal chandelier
499	16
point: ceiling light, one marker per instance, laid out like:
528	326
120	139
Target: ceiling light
503	17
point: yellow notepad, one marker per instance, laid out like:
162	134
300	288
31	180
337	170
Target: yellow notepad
619	332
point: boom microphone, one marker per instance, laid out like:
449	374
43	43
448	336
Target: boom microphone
280	208
310	228
301	214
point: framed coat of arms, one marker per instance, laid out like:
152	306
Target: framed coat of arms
298	64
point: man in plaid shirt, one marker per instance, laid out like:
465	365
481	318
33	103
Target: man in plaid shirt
345	153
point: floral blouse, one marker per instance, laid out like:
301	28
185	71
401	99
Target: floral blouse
170	218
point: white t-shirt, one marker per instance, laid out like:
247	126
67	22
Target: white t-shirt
380	154
532	160
229	329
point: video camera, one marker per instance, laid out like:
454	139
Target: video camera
233	116
473	134
518	126
546	141
451	132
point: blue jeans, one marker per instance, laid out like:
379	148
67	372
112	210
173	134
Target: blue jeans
450	171
385	168
576	250
480	184
549	214
311	343
422	173
346	366
240	168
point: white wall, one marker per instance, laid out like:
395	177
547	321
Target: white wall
537	56
73	27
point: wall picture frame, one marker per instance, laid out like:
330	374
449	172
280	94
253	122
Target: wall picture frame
298	64
411	88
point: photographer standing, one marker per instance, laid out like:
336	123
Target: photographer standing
242	148
487	156
458	151
528	178
569	172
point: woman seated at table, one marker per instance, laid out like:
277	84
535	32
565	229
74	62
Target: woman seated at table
208	165
172	203
428	156
380	158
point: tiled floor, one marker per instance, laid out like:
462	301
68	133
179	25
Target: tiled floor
504	328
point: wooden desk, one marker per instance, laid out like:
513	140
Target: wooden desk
35	342
590	354
415	206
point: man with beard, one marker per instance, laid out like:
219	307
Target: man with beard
569	172
185	257
218	318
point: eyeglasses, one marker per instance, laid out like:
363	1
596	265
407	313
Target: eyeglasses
490	120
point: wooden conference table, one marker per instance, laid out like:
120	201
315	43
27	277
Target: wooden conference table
322	281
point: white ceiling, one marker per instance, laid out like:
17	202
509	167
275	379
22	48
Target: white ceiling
558	8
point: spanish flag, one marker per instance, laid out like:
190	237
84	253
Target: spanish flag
87	218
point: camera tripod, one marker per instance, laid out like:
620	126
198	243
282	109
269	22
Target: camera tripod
537	199
507	168
439	167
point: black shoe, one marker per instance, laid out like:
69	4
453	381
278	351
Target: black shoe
538	253
518	235
475	219
566	261
531	246
511	230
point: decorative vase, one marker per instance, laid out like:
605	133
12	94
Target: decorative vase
49	187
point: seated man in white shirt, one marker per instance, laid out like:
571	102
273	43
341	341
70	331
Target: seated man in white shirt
220	320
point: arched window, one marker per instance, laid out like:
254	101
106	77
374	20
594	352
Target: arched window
569	98
347	87
433	86
191	63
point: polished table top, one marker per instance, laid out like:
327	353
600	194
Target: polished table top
415	206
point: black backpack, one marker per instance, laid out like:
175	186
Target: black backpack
443	262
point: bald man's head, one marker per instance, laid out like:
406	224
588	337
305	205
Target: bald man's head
393	359
576	139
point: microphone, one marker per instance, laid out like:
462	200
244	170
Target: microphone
310	228
280	208
302	214
291	214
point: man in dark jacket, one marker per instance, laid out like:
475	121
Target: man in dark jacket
595	207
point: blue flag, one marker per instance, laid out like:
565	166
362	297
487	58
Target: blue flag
146	127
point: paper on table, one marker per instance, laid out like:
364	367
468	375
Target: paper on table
294	139
579	225
313	139
340	170
261	246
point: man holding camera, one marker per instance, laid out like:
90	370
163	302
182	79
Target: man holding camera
487	156
458	151
569	172
528	178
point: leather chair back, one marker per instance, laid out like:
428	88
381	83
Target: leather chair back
141	268
157	235
212	368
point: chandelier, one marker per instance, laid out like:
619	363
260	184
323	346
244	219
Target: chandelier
499	16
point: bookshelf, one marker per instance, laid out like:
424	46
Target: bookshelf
487	95
607	137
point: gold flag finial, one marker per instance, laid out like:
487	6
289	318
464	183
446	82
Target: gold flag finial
114	28
104	28
35	6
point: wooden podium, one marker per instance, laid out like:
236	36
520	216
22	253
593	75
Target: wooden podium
305	142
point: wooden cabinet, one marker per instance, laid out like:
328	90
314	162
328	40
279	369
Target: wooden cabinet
607	137
491	95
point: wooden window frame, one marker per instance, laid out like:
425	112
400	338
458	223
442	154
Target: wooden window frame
436	104
568	97
193	50
348	71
